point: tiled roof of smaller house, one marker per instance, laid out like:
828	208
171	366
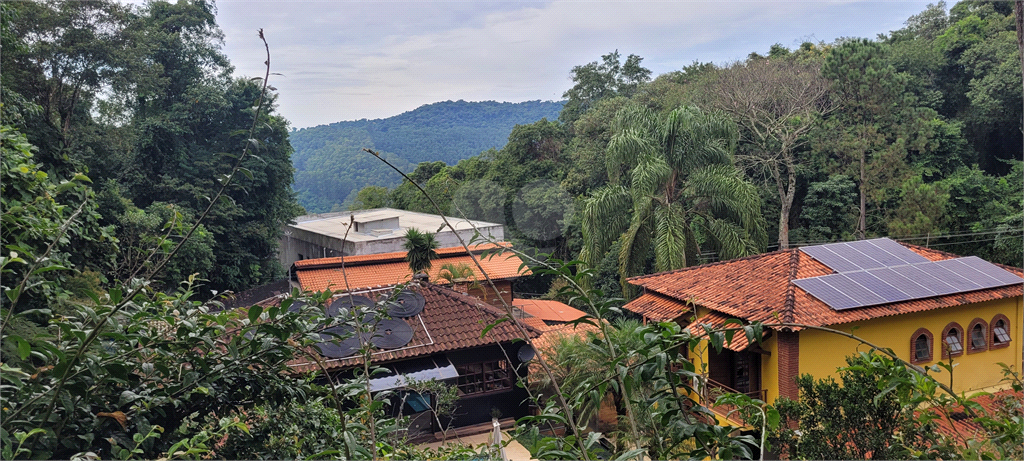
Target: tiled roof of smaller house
449	321
548	310
760	288
966	426
388	269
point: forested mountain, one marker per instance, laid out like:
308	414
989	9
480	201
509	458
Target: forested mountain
330	166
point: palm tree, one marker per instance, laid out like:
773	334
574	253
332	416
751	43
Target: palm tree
419	248
455	272
683	191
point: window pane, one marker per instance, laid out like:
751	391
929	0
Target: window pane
953	342
1001	336
977	337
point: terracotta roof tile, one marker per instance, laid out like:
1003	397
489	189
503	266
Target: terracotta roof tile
390	269
548	310
658	307
449	321
715	320
966	426
760	288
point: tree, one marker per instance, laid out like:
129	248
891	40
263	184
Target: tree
420	248
775	102
682	184
599	80
873	95
847	421
371	197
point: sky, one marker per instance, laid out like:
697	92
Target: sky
349	60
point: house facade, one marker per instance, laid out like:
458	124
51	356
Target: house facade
970	319
444	342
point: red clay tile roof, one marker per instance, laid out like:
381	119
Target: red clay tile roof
548	310
966	426
760	288
658	307
388	269
715	320
449	321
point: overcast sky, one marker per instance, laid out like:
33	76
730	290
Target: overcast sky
348	60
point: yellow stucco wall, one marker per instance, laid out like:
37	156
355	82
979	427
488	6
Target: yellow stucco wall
821	353
770	369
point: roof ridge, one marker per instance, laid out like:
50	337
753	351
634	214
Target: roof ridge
789	307
393	256
716	263
475	302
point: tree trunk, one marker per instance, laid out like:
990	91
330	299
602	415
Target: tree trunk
786	198
863	224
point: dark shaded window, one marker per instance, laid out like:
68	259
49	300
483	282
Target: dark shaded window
478	378
922	348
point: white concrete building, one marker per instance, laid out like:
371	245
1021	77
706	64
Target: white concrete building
380	230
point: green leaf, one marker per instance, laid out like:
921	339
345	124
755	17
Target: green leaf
24	348
488	327
254	313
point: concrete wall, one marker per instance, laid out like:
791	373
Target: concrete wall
312	245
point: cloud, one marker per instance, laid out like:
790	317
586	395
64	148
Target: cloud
352	60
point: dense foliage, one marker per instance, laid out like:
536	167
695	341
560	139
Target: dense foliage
141	100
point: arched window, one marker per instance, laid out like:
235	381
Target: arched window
921	346
1000	336
978	341
952	340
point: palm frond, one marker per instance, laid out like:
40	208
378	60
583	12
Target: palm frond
604	216
670	238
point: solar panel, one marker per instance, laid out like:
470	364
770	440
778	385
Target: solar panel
823	291
991	270
904	284
958	266
901	252
880	287
852	289
856	255
883	256
826	256
924	279
881	271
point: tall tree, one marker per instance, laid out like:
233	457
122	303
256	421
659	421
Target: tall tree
681	184
776	102
600	80
872	93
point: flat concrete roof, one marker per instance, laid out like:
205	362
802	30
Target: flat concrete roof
335	224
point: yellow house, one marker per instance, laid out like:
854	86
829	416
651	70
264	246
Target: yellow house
925	305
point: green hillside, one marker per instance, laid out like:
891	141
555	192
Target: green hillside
330	166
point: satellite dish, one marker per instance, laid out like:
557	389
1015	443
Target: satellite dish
349	302
526	353
391	334
406	304
332	348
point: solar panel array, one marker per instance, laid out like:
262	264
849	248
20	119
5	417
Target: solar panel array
881	271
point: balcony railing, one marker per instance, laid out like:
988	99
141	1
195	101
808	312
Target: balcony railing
715	389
